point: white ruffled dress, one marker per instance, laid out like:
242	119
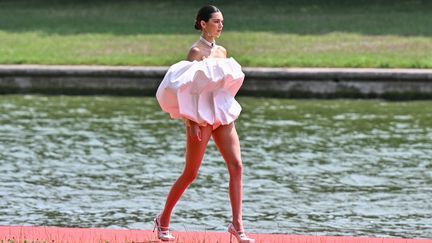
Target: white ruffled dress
202	91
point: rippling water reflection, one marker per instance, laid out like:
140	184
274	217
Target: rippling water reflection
313	167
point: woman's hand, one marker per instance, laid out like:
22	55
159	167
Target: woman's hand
194	130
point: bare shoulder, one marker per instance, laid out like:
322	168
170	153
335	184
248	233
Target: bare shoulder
194	54
222	50
218	52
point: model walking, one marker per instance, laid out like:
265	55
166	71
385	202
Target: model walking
201	91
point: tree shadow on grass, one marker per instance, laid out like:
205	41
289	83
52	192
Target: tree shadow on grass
132	17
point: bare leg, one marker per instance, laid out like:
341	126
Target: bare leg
227	141
194	155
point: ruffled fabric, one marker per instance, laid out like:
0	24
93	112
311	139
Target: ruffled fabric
202	91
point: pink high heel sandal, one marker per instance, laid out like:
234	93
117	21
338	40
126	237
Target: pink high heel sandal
163	235
241	236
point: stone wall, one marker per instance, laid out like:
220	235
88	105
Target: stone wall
267	82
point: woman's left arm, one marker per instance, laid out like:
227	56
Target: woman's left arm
218	52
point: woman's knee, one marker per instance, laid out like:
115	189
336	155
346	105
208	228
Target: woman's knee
189	175
235	167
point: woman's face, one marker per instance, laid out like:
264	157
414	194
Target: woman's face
214	25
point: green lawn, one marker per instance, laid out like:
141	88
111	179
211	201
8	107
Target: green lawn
334	33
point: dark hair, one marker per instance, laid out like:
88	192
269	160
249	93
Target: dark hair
205	14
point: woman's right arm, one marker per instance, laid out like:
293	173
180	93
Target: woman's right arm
194	54
195	131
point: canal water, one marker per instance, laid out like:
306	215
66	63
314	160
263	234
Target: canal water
314	167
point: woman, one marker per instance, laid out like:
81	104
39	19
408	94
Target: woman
201	91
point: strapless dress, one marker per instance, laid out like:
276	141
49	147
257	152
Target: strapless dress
202	91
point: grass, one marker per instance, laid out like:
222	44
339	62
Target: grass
275	33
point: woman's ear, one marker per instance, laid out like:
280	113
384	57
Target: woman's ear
203	24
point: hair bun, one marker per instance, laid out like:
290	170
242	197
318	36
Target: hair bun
197	25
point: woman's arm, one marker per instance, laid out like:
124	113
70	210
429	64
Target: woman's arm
194	54
218	52
195	131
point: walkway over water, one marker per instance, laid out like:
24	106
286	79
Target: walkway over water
53	234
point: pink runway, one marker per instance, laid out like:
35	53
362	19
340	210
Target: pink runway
15	234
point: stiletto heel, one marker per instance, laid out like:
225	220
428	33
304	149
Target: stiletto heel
163	235
240	236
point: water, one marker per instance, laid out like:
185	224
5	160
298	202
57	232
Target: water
314	167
